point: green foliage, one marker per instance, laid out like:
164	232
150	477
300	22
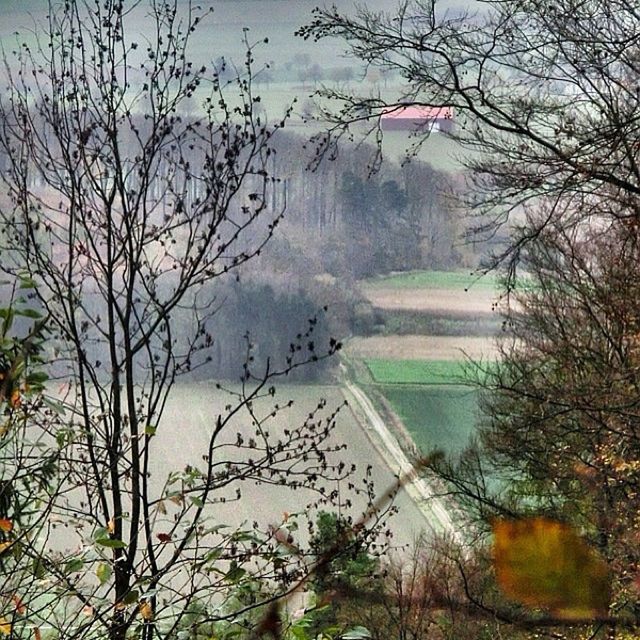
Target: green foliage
28	460
351	567
344	570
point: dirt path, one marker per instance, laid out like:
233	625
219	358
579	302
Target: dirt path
431	506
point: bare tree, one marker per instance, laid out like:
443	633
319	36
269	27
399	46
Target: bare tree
544	95
124	213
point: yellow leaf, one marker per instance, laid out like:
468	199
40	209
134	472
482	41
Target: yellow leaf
6	525
146	612
111	526
5	627
543	563
103	572
4	546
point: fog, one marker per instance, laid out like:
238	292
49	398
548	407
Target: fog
341	225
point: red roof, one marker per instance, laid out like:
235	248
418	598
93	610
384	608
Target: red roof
418	113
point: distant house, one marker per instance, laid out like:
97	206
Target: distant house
411	118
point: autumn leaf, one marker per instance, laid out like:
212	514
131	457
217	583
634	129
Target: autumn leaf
6	525
20	608
543	563
146	611
16	399
5	627
4	546
36	633
111	526
164	537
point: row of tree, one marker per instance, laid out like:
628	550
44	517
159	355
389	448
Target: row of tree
355	224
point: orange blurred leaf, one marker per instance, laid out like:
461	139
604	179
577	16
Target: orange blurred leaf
16	399
20	608
36	633
111	526
4	546
543	563
6	525
146	612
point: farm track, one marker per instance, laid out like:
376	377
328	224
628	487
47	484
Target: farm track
417	488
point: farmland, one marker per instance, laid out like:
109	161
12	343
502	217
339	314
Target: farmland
430	397
184	435
418	372
425	379
438	280
437	417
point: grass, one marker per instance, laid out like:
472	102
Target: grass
459	280
437	417
422	372
440	152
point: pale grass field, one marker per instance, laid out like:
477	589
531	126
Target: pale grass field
451	303
420	347
183	437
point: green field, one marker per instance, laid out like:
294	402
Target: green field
437	417
430	398
459	280
423	372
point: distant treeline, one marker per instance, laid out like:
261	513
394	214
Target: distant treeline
340	224
260	327
352	224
